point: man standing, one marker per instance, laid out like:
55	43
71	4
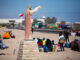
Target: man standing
66	35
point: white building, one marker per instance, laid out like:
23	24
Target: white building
5	21
17	21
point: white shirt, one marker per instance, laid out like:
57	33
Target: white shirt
62	36
73	33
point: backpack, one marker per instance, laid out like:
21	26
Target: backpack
45	49
13	36
52	42
67	45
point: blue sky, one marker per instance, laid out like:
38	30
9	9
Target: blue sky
68	10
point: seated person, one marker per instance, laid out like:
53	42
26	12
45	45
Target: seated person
1	43
39	44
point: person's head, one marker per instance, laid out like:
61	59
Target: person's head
60	33
39	40
48	40
43	38
52	40
29	7
33	38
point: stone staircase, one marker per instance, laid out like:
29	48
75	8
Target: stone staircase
28	50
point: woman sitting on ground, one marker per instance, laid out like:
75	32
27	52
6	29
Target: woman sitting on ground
49	44
39	44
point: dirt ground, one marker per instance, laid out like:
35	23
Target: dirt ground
13	44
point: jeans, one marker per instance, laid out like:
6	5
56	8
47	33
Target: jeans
67	39
39	48
62	47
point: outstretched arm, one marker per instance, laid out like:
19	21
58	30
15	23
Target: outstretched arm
35	10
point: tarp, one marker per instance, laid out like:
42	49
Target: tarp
66	25
6	35
53	25
36	23
43	26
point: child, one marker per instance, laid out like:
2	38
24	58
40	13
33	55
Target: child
58	45
53	45
62	44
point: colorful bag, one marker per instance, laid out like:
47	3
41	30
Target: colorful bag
6	35
13	36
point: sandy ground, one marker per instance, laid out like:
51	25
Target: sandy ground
13	44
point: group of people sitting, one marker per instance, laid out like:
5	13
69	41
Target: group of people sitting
48	45
45	44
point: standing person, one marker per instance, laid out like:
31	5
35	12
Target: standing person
32	29
58	45
28	14
61	35
66	35
61	41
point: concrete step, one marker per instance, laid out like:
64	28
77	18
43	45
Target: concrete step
28	50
